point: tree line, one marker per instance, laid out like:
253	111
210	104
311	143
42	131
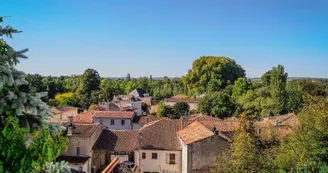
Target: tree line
227	91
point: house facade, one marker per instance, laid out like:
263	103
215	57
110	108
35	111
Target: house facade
63	113
82	138
114	120
182	98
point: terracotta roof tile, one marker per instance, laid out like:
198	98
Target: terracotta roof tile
202	117
147	119
160	135
85	117
84	130
117	140
194	132
113	114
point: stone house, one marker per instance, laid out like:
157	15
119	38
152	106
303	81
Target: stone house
82	137
61	114
115	144
181	98
129	101
284	124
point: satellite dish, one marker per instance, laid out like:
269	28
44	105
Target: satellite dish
80	168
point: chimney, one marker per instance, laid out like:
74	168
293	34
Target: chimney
70	118
69	131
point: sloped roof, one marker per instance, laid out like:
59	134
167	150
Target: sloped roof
282	120
117	140
160	135
202	117
85	117
181	98
113	114
84	129
194	132
138	92
147	119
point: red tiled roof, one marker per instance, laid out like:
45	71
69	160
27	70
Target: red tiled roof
202	117
84	130
160	135
194	132
85	117
147	119
113	114
117	140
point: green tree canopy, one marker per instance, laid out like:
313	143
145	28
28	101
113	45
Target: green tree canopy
210	73
180	109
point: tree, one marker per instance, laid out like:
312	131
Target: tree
87	93
307	149
243	155
35	83
27	143
90	81
161	109
180	109
239	88
276	80
210	73
217	104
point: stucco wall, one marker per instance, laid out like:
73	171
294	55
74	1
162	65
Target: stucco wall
192	106
203	153
136	126
184	157
161	163
64	115
117	123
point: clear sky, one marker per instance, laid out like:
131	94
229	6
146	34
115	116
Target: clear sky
164	37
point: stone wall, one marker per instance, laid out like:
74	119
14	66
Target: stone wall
204	153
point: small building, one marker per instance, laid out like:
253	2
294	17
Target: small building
129	101
140	121
200	147
114	120
115	144
181	98
283	123
82	138
61	114
139	93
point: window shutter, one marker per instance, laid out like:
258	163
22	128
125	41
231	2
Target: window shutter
167	158
176	158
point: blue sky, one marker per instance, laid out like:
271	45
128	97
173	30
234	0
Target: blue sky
163	38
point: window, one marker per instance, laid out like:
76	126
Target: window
172	159
101	121
143	155
111	122
122	122
153	155
77	150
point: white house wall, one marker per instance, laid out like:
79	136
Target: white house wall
160	164
117	123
